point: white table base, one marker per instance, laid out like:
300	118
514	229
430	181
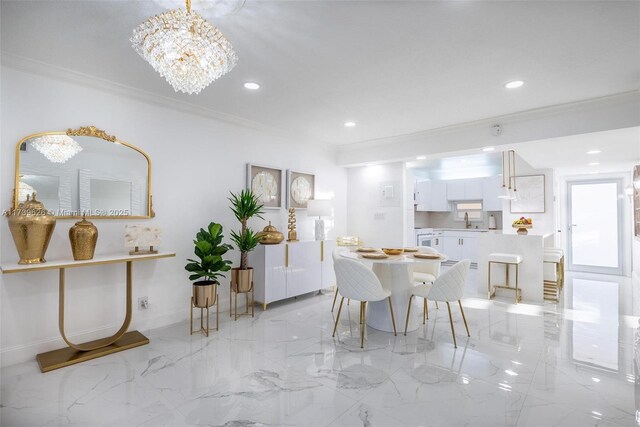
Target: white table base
398	278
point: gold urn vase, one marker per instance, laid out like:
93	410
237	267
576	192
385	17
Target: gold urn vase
270	235
83	237
31	228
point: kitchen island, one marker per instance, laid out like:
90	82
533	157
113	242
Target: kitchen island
530	247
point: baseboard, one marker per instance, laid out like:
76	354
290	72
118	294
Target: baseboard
27	352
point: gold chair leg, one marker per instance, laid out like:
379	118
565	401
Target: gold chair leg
363	310
424	311
335	297
453	332
337	317
406	322
393	320
464	318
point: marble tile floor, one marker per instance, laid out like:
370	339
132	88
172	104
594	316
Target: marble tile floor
570	364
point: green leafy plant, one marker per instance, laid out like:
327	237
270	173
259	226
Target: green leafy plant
245	205
209	249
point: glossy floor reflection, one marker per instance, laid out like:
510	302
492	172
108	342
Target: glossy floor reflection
570	364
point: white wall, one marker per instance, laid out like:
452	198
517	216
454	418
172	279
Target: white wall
375	220
543	223
196	162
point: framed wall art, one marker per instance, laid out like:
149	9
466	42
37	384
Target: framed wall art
266	184
531	194
300	188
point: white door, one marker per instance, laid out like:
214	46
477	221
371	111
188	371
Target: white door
595	226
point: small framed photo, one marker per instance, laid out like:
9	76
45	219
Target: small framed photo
301	188
266	183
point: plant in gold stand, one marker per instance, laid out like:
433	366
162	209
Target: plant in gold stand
245	205
210	266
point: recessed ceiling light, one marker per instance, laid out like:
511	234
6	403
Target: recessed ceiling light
594	152
514	84
594	164
488	148
251	86
349	124
421	157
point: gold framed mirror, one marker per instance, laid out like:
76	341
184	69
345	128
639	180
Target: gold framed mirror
84	172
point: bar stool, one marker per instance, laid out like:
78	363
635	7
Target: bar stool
560	252
552	275
507	260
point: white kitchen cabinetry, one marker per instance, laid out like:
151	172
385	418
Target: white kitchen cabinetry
491	189
464	189
290	269
432	196
459	245
438	243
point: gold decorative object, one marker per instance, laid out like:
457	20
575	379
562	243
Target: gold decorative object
204	296
73	209
522	224
293	234
83	237
241	283
31	228
270	235
91	131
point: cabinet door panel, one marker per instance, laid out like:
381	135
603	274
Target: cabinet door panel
304	273
275	274
470	248
452	247
473	189
455	190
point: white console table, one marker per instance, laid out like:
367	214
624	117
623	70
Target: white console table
290	269
76	353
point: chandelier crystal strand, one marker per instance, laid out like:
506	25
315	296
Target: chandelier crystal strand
56	148
184	48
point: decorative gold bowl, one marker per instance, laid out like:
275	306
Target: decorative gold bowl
393	251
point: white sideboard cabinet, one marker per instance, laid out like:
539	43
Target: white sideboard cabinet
290	269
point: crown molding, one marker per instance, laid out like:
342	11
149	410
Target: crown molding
44	69
518	117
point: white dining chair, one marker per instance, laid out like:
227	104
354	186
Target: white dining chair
449	287
336	255
425	273
359	283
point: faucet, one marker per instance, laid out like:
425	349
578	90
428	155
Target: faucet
467	223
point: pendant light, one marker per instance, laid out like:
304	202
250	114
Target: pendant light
509	188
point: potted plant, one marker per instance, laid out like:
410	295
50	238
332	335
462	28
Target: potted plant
210	265
244	205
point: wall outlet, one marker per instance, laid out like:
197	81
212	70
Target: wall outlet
143	303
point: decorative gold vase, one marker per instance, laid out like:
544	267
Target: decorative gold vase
292	236
270	235
242	280
83	237
204	293
31	228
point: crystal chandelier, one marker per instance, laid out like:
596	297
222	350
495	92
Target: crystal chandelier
184	48
56	148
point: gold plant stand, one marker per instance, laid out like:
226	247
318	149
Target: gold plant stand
202	329
76	353
233	309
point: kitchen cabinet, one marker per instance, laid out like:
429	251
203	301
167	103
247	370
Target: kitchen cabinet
437	242
459	245
290	269
464	189
432	196
491	189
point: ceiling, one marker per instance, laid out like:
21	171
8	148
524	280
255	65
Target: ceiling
458	167
393	67
617	147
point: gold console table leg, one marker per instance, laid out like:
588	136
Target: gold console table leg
76	353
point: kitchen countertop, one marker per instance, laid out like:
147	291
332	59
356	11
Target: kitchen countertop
477	230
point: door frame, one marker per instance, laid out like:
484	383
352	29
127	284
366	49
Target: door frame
619	271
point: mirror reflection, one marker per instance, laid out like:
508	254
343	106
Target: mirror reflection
76	175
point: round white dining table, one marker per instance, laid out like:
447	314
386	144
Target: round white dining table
395	274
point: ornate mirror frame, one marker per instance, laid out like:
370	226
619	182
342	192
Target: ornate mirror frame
91	131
